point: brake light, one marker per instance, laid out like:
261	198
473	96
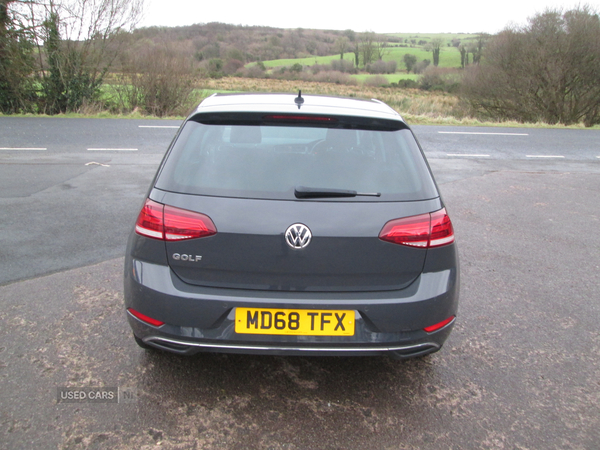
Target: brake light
168	223
422	231
300	118
145	318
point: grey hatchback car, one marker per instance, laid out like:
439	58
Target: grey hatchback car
296	225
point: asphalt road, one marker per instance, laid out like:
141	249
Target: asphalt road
70	188
521	369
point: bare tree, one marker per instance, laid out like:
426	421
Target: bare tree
435	47
341	46
477	47
381	48
16	60
545	71
158	80
291	42
77	40
366	47
464	55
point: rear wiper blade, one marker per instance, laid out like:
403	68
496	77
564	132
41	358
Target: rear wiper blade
307	192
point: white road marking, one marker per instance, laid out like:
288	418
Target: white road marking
94	163
158	126
24	149
112	149
484	133
472	155
544	156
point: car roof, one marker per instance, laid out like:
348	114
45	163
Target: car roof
285	103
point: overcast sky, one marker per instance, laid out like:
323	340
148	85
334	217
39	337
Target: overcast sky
381	16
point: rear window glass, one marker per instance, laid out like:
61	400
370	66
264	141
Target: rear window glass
269	162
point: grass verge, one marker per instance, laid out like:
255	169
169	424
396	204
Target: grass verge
416	106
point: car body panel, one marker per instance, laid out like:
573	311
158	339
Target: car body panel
204	316
345	253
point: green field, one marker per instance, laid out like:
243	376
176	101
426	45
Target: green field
449	55
312	60
392	78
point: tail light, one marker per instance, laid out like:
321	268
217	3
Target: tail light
168	223
423	231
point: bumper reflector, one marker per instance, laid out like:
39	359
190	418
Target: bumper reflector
438	326
144	318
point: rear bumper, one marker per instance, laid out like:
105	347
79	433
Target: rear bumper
201	319
189	347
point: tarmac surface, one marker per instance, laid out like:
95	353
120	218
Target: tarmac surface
520	370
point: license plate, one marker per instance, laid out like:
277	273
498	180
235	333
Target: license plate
299	322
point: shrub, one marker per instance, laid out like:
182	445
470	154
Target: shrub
407	84
343	65
410	61
382	67
440	79
157	80
215	68
254	71
545	71
332	76
421	66
376	81
232	66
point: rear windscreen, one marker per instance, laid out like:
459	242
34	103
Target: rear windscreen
269	162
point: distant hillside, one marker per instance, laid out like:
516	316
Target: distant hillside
244	43
251	43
